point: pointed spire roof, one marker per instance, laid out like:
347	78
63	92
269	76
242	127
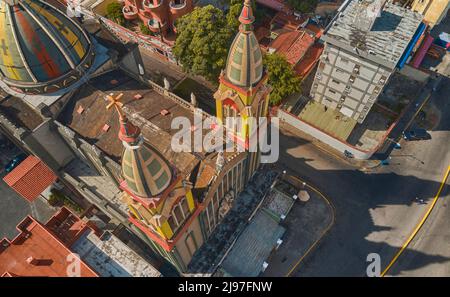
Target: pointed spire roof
147	174
244	63
128	132
246	16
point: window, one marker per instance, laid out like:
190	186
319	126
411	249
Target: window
332	91
178	214
185	207
335	81
321	66
172	224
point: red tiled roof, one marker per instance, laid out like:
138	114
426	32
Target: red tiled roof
309	60
36	252
293	45
30	178
288	21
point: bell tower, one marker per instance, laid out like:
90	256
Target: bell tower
243	94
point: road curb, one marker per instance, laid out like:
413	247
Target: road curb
324	233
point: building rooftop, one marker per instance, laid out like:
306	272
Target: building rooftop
153	112
253	246
111	257
208	256
30	178
381	37
19	112
293	45
328	120
36	252
43	250
309	60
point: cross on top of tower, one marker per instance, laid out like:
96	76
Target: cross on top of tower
115	101
128	132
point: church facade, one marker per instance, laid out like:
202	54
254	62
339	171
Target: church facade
119	125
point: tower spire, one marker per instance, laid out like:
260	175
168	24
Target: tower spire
244	66
246	18
128	132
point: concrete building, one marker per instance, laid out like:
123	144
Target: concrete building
158	15
364	44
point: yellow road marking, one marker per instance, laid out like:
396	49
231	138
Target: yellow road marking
323	233
416	230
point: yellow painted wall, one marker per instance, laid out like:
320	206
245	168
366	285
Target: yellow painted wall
181	243
433	10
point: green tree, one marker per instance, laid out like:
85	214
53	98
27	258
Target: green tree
202	41
235	11
114	13
233	16
305	6
144	29
282	77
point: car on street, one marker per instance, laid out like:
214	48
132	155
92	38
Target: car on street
14	162
416	134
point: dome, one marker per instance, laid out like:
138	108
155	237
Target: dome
42	50
145	171
244	64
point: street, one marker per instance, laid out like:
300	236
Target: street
377	210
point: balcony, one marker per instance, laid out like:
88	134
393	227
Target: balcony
130	12
151	5
177	4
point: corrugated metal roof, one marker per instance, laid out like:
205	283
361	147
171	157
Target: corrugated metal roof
253	246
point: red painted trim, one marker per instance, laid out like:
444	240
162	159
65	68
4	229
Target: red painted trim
166	244
153	201
245	91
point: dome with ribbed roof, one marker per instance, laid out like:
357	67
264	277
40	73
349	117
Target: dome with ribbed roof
147	174
244	64
42	50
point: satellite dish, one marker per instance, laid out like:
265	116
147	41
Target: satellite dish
303	196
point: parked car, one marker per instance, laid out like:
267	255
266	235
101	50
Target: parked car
416	134
14	162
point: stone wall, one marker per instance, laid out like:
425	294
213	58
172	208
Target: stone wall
90	154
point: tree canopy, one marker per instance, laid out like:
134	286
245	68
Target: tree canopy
282	77
202	41
114	13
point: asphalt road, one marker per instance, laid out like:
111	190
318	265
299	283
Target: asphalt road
376	211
